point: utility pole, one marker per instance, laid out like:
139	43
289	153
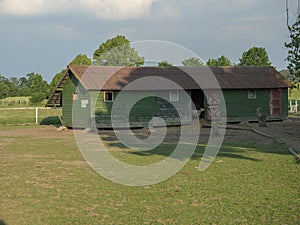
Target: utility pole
287	12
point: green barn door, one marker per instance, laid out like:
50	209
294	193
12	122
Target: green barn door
275	103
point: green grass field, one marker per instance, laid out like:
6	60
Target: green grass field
26	115
295	94
15	102
44	180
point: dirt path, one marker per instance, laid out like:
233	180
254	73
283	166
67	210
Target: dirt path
287	131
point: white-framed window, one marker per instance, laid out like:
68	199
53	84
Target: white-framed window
251	94
84	103
174	96
108	96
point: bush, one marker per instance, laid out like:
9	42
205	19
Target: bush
51	120
37	97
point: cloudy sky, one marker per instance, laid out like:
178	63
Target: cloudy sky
43	36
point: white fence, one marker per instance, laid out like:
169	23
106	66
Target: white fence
294	106
26	115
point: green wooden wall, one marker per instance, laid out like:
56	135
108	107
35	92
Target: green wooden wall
240	108
285	102
140	114
143	111
75	108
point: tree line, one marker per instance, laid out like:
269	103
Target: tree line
118	52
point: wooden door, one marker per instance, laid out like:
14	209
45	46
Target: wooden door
275	102
213	105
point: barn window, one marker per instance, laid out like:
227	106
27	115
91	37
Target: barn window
108	96
74	96
174	96
251	94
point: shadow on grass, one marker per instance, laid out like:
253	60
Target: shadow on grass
227	152
2	222
51	120
234	150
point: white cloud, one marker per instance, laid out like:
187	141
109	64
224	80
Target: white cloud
104	9
170	11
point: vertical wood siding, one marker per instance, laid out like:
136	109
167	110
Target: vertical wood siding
241	108
74	107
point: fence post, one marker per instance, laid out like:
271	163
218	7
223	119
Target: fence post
37	115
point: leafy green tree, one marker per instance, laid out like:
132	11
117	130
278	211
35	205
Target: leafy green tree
37	97
221	61
4	79
11	84
81	59
286	73
37	83
23	85
38	87
294	50
55	80
3	90
255	56
13	87
117	52
192	62
164	63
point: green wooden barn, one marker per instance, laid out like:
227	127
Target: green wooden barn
87	95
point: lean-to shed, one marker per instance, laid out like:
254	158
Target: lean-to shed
87	94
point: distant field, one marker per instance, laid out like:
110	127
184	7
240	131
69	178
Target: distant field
295	93
18	102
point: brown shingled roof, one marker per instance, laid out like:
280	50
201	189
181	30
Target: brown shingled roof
116	78
93	78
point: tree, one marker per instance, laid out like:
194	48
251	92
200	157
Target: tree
192	62
13	87
11	84
221	61
294	50
255	56
37	97
81	59
164	63
38	87
55	80
117	52
23	85
3	90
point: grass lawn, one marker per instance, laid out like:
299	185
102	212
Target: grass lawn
16	102
25	116
44	180
295	94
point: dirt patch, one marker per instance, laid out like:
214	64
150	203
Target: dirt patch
236	134
41	132
286	131
5	142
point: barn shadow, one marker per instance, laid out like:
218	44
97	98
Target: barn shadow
225	152
234	150
2	222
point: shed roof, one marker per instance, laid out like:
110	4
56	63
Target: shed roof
117	78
